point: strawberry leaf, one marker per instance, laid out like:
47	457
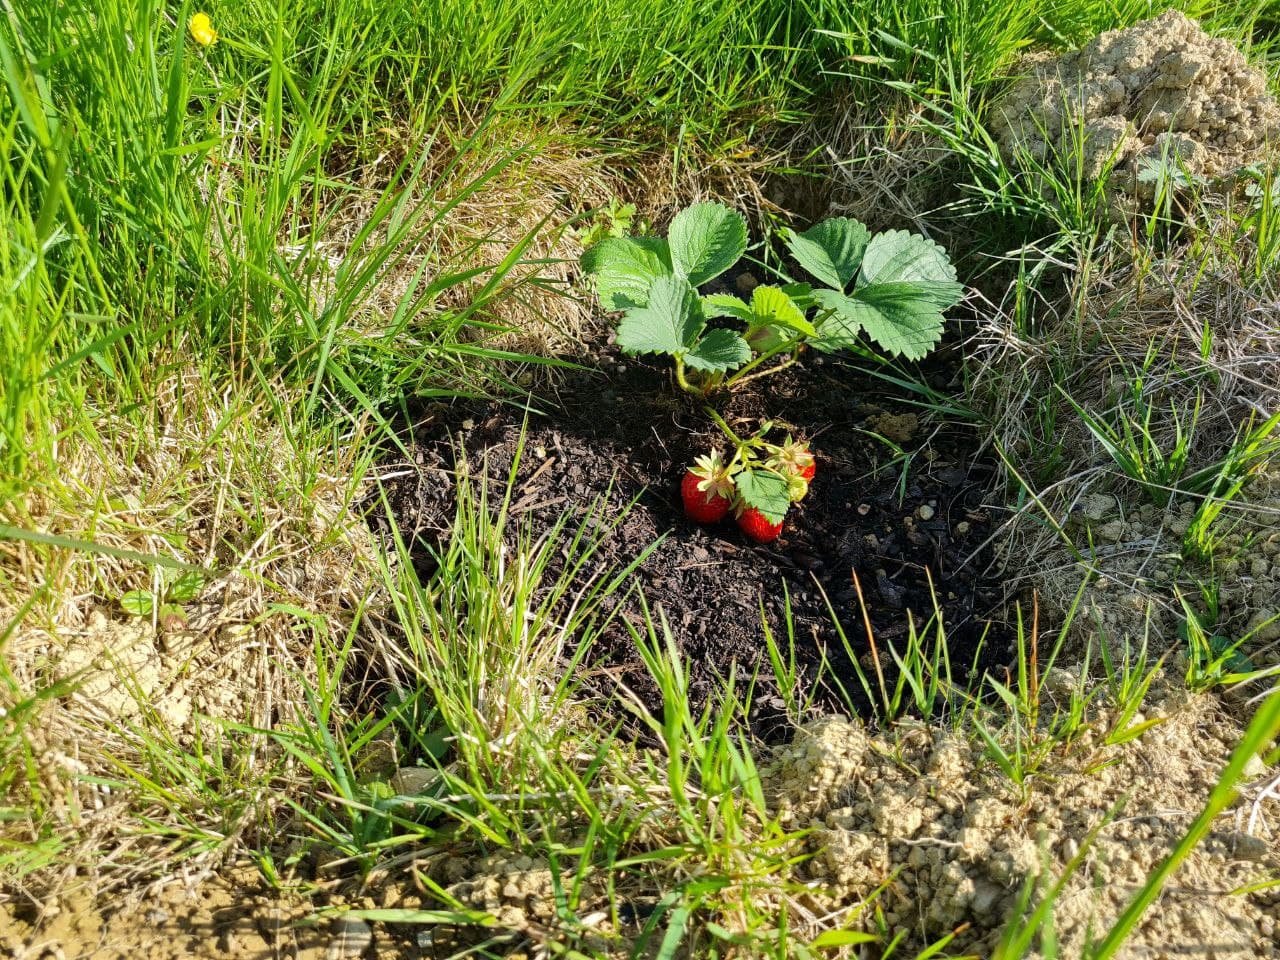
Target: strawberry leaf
718	351
898	255
764	490
625	268
726	305
839	330
831	250
706	240
903	318
669	322
771	305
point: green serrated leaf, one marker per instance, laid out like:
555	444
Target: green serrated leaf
764	490
839	330
719	351
625	268
706	239
831	250
904	318
771	305
897	255
726	305
140	603
669	323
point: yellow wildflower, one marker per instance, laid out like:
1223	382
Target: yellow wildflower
202	31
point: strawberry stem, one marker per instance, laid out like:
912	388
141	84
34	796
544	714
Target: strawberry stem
683	381
745	373
737	441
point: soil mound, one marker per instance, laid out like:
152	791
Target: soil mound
1162	93
921	812
901	504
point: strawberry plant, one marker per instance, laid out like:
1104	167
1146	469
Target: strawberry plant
758	483
892	287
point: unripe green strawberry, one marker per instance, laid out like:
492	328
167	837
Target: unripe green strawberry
797	487
794	461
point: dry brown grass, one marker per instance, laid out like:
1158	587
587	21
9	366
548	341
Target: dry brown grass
1194	332
500	189
210	477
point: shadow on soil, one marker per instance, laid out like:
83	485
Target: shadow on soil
900	503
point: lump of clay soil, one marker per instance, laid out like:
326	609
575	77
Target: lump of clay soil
1160	95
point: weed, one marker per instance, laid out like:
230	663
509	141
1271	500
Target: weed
786	673
1221	483
1128	680
1212	658
1131	442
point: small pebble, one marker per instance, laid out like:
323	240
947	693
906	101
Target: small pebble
925	512
962	527
864	509
351	938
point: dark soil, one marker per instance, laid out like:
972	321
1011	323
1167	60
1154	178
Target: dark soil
901	519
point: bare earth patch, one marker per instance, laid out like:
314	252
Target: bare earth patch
230	915
1160	92
919	810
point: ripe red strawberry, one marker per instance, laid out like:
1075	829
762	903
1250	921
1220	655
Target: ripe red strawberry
707	490
701	506
757	526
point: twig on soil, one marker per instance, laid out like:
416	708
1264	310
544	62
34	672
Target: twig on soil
1268	791
546	465
930	842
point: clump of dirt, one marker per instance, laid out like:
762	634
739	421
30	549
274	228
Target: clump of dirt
1137	570
230	914
908	517
1160	93
918	811
121	669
